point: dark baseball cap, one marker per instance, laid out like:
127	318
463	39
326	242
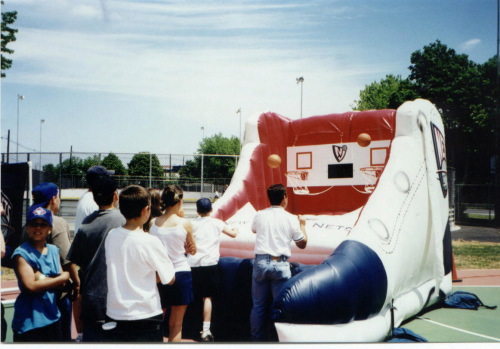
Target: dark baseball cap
43	193
96	172
203	205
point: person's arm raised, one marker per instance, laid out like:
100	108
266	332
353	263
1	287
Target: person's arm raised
303	242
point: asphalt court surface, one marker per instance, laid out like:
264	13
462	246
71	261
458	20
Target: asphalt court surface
481	234
442	325
449	325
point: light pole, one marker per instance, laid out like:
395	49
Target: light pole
301	81
202	157
241	141
41	169
19	98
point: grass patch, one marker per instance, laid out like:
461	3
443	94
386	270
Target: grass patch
476	255
481	216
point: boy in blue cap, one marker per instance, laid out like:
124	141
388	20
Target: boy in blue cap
46	195
40	278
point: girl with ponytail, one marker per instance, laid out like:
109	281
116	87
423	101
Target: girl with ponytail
176	235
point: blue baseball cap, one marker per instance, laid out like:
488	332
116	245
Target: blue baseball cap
39	212
43	193
203	205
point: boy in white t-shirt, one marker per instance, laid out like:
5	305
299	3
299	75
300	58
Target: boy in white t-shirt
135	262
204	264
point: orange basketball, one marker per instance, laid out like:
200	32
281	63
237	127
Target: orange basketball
273	160
364	139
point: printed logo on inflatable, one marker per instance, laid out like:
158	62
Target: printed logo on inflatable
339	152
440	152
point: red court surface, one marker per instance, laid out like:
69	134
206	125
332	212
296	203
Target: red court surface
478	277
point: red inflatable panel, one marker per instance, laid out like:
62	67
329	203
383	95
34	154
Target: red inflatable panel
277	133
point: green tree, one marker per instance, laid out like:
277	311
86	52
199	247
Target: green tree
51	173
389	93
69	167
94	160
462	90
113	162
213	166
72	166
140	163
8	35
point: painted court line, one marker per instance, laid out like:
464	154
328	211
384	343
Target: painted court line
460	330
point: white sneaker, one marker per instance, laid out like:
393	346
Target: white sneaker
206	336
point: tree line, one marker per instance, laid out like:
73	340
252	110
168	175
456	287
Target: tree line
139	165
216	164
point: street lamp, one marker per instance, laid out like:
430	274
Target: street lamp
301	81
241	141
19	98
202	158
41	169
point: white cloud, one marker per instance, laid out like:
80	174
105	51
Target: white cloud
86	12
469	44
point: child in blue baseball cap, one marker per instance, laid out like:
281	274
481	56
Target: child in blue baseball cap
40	278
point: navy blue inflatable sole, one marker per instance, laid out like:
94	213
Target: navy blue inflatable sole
350	285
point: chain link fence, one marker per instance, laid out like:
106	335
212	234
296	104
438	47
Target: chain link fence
475	204
67	170
470	204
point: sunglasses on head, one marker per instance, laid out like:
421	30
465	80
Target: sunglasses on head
39	224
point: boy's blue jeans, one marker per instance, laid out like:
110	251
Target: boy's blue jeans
268	277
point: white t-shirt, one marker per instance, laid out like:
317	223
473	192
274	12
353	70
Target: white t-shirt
206	231
173	240
86	205
275	228
132	259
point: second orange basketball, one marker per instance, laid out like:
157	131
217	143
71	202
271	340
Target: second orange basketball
273	160
364	139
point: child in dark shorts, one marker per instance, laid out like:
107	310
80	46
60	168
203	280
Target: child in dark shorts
204	264
176	235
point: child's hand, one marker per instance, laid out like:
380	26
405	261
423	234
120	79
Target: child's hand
39	275
302	220
190	247
65	275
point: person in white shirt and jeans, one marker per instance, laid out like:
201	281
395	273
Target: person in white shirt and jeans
275	229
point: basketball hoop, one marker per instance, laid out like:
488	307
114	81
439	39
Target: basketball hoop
370	174
296	180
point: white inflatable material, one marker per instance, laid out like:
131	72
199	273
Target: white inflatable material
404	219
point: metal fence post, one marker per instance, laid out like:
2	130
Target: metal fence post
150	167
201	189
60	170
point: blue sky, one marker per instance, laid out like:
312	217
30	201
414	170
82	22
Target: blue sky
128	76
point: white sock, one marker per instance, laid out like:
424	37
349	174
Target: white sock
206	325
